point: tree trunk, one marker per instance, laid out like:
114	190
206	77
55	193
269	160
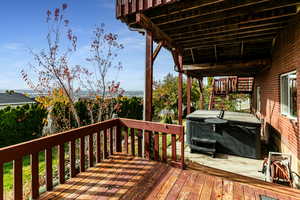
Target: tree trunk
74	111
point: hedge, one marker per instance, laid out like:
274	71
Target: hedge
21	124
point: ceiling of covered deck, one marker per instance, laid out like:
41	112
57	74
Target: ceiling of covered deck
221	37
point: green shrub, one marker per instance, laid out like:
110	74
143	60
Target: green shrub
21	124
131	108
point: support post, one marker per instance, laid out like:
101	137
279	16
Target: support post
188	94
148	90
149	76
180	66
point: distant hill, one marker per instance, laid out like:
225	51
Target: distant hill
31	93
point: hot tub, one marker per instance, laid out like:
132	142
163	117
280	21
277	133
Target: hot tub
238	135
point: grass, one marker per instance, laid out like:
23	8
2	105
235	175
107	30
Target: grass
8	172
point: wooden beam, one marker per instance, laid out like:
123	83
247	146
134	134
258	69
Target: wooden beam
227	65
157	50
149	76
175	57
147	24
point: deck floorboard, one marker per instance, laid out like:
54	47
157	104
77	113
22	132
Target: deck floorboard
127	177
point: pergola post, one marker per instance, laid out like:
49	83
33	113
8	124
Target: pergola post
148	90
188	94
180	66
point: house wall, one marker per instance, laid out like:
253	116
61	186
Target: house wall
279	129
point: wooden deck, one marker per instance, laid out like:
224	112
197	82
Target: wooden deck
127	177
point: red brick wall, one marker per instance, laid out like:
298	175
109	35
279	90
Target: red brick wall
285	58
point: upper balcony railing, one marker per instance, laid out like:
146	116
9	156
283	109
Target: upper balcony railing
224	86
102	139
126	7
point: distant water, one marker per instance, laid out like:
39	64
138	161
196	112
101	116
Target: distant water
33	94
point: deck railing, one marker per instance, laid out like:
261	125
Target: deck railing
125	7
109	138
224	86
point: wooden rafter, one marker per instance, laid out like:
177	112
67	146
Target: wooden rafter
157	49
280	18
147	24
186	7
226	30
232	35
209	10
230	19
233	42
239	13
212	42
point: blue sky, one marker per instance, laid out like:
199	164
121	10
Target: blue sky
23	26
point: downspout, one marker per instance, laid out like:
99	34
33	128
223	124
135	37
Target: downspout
142	31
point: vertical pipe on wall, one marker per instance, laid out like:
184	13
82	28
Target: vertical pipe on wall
188	94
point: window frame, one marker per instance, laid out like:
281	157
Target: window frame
282	112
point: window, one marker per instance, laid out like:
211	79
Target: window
288	94
258	99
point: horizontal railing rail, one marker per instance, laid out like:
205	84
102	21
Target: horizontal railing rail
87	146
156	131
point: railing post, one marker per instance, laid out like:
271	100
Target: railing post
182	149
73	158
147	135
156	146
82	154
49	176
140	146
164	147
111	141
18	182
126	140
35	176
105	143
91	149
61	163
132	136
98	143
118	139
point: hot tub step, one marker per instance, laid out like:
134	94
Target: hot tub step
204	140
204	149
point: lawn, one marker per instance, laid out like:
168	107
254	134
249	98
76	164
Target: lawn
8	173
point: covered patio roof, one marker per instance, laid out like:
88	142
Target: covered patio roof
216	37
